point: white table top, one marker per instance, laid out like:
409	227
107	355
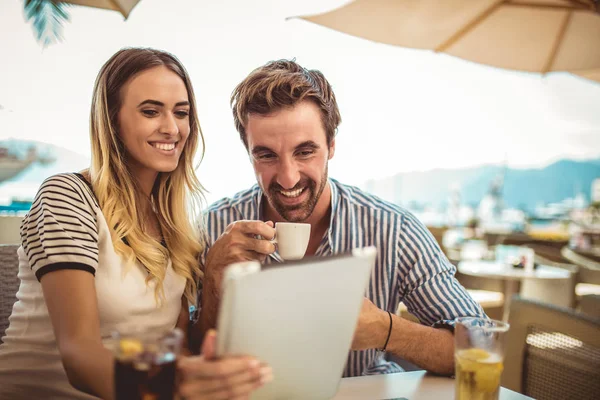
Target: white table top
417	385
495	269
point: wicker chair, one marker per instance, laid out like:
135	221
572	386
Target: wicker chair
9	283
551	352
590	305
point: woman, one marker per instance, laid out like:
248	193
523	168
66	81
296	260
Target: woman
113	247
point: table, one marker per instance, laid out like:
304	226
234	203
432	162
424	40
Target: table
416	385
545	283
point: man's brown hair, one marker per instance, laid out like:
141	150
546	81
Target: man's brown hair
279	84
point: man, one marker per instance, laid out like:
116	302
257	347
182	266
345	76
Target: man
287	118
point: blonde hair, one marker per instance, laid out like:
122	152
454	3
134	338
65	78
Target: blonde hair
178	194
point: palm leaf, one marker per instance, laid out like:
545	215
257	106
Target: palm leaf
47	17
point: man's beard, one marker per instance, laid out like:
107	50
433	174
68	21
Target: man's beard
299	212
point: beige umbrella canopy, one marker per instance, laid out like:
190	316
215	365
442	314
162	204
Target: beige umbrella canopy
122	6
527	35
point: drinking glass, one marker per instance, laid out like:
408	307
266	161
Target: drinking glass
479	357
145	364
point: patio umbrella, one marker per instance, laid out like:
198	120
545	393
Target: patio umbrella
526	35
122	6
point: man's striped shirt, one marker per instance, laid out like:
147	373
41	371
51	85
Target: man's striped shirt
410	267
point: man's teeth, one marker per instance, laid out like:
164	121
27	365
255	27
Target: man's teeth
293	193
164	146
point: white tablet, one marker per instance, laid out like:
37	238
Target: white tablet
297	316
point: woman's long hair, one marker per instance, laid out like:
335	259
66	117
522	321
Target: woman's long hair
178	194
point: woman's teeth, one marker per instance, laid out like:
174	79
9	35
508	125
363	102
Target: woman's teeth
164	146
293	193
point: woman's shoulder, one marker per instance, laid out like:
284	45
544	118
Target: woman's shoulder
70	187
70	179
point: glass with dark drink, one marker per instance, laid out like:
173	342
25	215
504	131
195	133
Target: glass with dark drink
145	365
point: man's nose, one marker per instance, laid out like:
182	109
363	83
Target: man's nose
288	175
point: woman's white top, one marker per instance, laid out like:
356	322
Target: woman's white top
65	229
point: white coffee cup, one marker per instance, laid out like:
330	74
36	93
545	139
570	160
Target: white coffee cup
291	239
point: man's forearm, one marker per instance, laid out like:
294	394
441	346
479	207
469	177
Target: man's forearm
429	348
210	305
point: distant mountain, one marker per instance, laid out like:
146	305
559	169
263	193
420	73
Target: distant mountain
523	188
54	160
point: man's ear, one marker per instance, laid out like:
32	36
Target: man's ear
332	149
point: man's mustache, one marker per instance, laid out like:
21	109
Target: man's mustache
277	187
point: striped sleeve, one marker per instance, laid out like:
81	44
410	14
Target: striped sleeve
430	290
60	231
217	218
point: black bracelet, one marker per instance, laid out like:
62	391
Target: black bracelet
389	333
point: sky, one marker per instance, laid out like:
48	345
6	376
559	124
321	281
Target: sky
402	109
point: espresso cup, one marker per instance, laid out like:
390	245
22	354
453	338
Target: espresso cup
291	239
